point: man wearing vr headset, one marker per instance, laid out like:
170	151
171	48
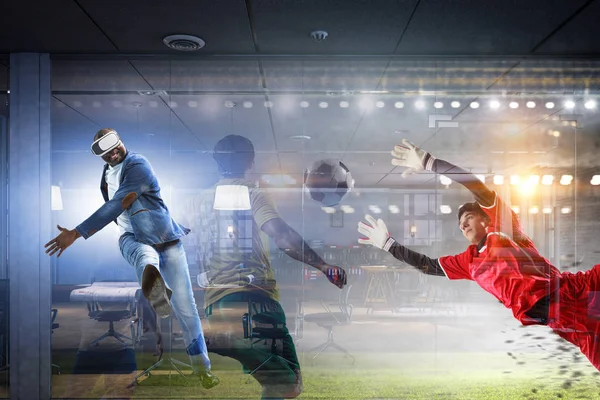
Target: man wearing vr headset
502	260
149	241
233	249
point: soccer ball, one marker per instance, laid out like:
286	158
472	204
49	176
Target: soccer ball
328	181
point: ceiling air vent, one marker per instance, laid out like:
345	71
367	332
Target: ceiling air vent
184	42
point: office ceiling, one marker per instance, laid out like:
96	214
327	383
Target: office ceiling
111	68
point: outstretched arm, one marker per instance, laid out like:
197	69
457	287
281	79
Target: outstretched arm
137	180
483	195
415	159
377	235
288	240
502	218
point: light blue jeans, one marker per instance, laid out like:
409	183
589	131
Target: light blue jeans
171	261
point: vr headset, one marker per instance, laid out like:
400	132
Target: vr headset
106	143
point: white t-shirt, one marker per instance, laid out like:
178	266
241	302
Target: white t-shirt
113	177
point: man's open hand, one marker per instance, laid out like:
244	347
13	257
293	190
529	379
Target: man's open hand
62	241
411	157
335	275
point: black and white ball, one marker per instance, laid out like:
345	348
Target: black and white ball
328	181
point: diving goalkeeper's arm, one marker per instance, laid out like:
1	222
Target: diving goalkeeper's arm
415	160
377	235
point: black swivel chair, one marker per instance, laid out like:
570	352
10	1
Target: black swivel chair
330	319
96	312
271	329
4	352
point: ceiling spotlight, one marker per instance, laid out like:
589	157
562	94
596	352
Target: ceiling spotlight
530	104
547	180
173	104
268	104
344	104
247	104
534	179
347	209
319	36
375	209
445	209
304	104
184	42
438	104
380	104
590	104
494	104
420	104
444	180
474	104
513	105
323	104
399	104
455	104
549	105
229	104
569	104
192	103
566	180
534	210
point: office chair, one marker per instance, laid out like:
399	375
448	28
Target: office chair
111	316
276	331
4	359
329	319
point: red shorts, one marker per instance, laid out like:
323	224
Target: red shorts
574	312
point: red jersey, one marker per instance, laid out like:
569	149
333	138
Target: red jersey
508	266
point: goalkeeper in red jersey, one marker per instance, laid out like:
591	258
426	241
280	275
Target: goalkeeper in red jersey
502	260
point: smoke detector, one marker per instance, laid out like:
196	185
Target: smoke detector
319	36
184	42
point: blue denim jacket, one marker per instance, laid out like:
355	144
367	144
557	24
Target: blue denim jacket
150	218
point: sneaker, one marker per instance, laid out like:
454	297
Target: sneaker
156	291
208	379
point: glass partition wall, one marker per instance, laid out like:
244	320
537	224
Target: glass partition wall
527	129
4	276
